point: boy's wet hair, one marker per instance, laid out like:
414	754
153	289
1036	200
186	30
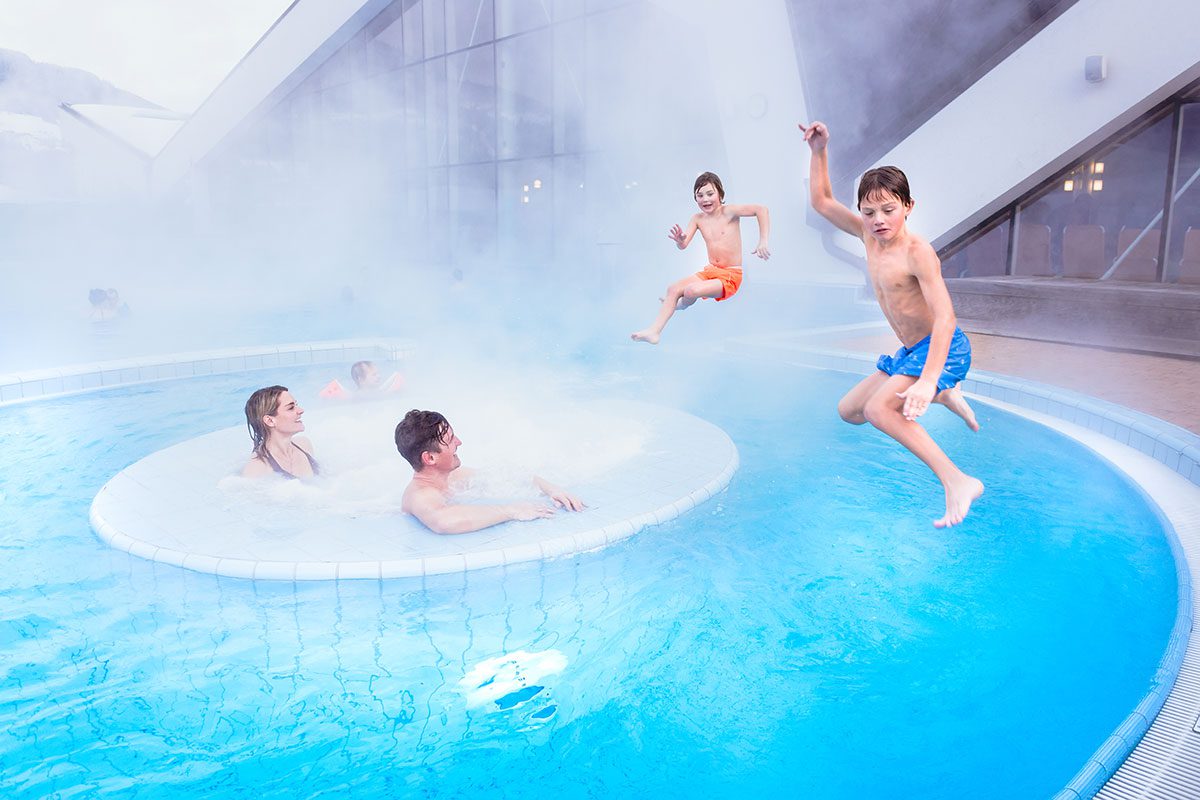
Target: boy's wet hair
420	432
706	178
884	180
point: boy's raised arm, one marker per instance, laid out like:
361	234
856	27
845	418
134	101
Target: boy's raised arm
820	191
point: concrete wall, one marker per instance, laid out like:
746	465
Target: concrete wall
1035	113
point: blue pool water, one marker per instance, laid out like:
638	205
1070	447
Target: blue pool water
805	634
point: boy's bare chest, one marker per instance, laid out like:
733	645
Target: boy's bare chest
892	278
719	230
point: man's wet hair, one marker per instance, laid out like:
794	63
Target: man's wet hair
420	432
706	178
884	180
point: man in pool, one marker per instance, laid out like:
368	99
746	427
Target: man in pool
429	444
907	278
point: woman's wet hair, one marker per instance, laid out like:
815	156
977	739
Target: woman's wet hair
706	178
883	181
420	432
264	402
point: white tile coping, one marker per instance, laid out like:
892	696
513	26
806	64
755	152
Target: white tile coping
168	507
74	378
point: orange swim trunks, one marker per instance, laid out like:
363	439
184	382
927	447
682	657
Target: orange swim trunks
730	278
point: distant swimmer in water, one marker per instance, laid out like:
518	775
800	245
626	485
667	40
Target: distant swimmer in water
273	418
907	278
366	380
720	227
429	444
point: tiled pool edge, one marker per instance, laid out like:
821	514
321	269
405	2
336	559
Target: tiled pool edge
564	546
1174	448
1181	521
39	384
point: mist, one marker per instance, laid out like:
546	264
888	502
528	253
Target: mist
502	204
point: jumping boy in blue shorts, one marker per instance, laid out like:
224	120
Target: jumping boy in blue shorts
907	277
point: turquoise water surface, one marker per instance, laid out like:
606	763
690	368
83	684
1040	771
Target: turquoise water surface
807	633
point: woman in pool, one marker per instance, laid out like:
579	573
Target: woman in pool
273	418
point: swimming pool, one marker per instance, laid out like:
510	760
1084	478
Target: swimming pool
805	633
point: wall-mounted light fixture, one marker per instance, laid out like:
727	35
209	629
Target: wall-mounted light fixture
1068	185
1095	68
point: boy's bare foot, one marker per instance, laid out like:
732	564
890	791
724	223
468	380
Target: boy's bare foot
645	336
953	399
960	493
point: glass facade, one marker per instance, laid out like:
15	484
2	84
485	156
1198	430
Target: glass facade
1103	218
469	132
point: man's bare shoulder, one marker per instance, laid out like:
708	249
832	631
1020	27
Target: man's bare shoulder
419	498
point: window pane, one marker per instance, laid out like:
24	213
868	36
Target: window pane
473	213
568	87
468	22
518	16
526	212
414	116
384	119
1097	210
471	104
435	111
570	217
435	233
565	9
1183	253
385	40
985	256
414	37
434	20
524	96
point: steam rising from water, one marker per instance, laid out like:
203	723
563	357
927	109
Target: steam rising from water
309	222
507	437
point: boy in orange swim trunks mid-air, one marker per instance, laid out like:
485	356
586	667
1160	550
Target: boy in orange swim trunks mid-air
720	227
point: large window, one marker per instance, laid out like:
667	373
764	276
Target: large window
1183	241
473	130
1103	218
1095	212
985	255
471	102
525	93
